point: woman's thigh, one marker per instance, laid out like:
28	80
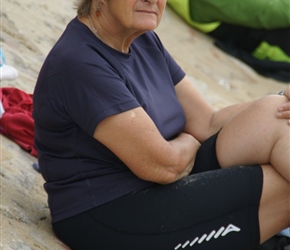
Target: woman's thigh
212	210
251	136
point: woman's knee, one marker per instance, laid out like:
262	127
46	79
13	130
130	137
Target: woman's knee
270	103
258	128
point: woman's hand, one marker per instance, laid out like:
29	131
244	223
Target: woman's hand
283	112
189	140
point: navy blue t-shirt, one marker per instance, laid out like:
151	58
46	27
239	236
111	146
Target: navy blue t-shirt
83	81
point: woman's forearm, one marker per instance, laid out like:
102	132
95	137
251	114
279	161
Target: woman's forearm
222	116
187	147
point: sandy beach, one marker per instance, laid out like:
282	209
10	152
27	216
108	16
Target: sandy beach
29	28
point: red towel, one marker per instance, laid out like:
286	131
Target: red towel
17	122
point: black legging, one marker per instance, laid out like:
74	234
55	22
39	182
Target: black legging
212	210
197	210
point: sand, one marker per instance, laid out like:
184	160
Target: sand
29	28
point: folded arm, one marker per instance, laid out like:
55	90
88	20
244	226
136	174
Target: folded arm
134	139
203	121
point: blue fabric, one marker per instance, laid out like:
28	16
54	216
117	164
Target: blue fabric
2	58
82	82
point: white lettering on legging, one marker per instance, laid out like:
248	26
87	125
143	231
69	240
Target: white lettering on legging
214	234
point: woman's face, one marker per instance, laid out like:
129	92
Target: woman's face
134	15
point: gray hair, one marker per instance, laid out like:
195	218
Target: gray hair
83	7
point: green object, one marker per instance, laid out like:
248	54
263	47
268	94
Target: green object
181	7
265	14
270	52
207	15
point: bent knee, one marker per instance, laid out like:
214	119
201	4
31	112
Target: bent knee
271	102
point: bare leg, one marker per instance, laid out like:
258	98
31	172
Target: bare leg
274	211
256	136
